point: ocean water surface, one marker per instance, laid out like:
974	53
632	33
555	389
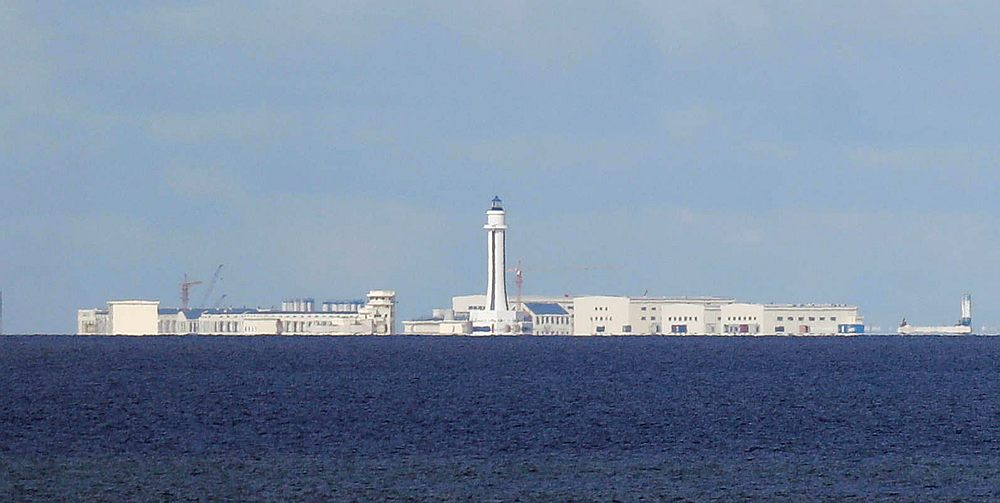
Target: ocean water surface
414	418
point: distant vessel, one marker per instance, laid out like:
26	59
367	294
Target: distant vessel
963	327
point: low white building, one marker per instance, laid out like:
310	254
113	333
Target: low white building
458	319
549	318
812	319
375	317
610	315
464	304
613	315
441	322
791	319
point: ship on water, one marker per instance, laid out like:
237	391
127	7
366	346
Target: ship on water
963	327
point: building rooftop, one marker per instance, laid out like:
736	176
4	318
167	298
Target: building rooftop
194	314
548	309
809	306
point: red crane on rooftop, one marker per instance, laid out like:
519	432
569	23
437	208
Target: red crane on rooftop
518	271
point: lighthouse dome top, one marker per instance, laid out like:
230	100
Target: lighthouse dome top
497	203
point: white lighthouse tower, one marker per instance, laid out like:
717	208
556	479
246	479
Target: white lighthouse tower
497	318
496	257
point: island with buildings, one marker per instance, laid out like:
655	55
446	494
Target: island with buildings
492	314
486	314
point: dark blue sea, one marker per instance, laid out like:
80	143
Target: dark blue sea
499	419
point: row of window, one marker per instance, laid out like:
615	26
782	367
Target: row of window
695	318
553	332
174	326
728	329
552	320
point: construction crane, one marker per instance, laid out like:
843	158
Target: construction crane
186	291
218	303
518	271
211	287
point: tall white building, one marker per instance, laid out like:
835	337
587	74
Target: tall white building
498	318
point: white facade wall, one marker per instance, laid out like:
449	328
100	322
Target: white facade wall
802	319
437	327
665	317
713	319
602	315
91	322
176	324
381	310
467	303
645	317
552	324
648	315
808	319
260	326
280	323
742	319
133	317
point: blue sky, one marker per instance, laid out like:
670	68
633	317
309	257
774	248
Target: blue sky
771	151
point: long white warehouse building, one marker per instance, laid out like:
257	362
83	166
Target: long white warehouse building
375	315
618	315
710	316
